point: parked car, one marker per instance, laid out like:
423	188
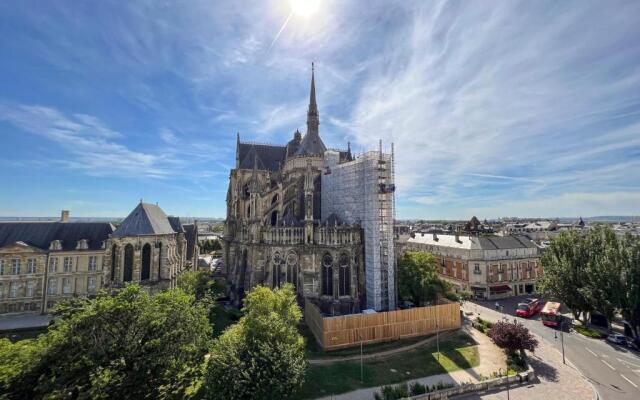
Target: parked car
617	338
405	304
633	344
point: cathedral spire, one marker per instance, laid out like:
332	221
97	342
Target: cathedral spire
313	119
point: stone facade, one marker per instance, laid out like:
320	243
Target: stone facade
274	230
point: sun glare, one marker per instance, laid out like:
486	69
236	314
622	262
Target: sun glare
304	7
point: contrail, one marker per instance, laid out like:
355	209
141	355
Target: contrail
280	31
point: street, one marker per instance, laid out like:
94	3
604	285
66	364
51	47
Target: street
613	370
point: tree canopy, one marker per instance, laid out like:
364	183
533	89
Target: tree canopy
262	356
595	272
130	345
418	278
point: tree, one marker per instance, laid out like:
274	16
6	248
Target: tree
16	358
262	356
418	278
564	276
630	266
603	286
512	337
131	345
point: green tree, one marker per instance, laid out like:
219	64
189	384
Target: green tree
630	266
603	286
262	356
418	278
131	345
15	358
564	264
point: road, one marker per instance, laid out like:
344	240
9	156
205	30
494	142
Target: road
613	370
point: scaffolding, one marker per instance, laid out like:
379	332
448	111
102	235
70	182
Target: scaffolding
362	192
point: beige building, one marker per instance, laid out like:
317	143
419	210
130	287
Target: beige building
42	263
491	267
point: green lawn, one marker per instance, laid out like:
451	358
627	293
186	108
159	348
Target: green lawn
592	333
456	352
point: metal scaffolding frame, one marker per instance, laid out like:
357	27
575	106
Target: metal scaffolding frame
362	192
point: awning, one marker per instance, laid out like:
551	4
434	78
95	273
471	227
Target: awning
500	289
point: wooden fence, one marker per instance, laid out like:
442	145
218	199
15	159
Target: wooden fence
334	333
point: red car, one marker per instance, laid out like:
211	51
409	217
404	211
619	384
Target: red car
528	308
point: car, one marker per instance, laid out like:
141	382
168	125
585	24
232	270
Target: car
405	304
633	344
617	338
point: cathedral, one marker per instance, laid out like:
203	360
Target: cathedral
290	221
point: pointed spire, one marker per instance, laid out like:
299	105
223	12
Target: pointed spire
313	119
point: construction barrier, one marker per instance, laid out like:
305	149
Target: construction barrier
334	333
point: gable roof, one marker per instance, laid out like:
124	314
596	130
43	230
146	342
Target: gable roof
145	219
41	234
311	144
269	157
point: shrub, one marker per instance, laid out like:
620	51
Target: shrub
417	388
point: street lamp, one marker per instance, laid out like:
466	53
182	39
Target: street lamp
562	338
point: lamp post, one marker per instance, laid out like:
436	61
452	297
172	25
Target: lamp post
562	338
437	332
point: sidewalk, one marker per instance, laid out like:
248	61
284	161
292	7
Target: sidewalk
557	380
492	359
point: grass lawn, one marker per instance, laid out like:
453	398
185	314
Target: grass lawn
314	351
456	352
588	332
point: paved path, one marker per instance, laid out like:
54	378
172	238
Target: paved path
492	359
10	322
557	380
381	354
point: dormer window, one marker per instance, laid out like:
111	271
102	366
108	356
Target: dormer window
56	245
82	244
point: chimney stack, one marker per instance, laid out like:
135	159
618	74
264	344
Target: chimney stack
64	216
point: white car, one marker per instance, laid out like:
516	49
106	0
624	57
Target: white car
617	338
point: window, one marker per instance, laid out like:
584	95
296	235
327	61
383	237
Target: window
66	285
68	264
1	267
13	289
476	269
52	288
91	284
31	266
31	285
15	266
507	253
51	303
53	264
1	290
92	263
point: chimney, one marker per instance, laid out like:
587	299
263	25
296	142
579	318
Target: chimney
64	216
458	236
435	237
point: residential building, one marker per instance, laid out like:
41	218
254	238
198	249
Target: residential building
490	267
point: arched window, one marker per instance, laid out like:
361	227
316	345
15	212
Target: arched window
292	269
128	263
114	253
274	218
327	275
277	263
145	273
345	276
159	260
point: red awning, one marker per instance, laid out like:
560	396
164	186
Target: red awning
500	289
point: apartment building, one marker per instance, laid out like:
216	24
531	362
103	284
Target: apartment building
491	267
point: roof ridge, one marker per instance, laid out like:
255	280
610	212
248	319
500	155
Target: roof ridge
263	144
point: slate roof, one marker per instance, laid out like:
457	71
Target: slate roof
474	242
269	156
145	219
311	144
41	234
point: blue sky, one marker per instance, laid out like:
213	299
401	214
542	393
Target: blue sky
496	109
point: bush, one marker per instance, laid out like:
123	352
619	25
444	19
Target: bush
417	388
515	362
